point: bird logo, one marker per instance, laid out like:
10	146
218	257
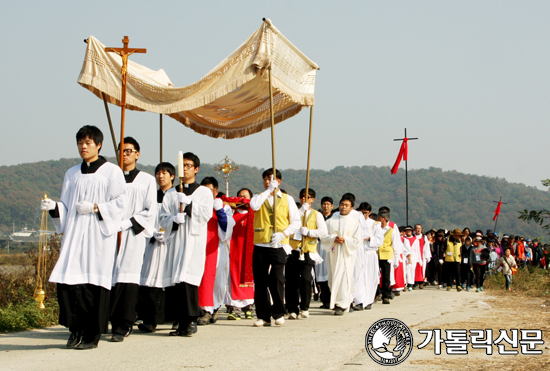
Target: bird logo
389	341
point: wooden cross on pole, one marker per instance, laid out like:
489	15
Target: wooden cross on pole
497	212
405	139
124	52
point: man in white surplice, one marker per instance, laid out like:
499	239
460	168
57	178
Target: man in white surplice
344	238
136	228
186	235
88	214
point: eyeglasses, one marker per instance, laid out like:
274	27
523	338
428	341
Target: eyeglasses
127	151
188	166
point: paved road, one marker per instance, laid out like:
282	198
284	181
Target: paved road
322	342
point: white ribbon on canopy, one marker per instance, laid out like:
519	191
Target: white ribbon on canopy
231	101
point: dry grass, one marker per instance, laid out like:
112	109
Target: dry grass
15	259
18	310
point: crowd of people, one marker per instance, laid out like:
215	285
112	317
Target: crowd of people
138	247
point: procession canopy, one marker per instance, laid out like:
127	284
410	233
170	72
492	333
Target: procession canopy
231	101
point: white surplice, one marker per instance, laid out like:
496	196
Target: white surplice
187	246
154	257
341	258
141	205
88	249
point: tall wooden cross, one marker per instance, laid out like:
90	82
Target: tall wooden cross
497	212
124	52
403	152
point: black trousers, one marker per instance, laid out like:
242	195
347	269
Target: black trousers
479	272
124	299
186	301
268	266
84	308
151	305
386	278
324	296
298	275
452	272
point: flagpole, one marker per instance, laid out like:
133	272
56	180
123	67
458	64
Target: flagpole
407	183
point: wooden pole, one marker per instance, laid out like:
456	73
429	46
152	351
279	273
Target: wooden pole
273	150
304	221
110	124
161	137
124	53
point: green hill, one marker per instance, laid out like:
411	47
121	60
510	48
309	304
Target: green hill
439	199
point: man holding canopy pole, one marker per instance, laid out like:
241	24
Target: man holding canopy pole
271	247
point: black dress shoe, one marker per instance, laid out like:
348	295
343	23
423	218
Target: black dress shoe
397	293
86	345
74	339
129	331
117	338
188	331
147	327
358	307
338	311
368	307
385	301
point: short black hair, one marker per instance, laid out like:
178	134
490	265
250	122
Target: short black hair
348	197
364	206
131	141
310	192
166	166
92	132
191	156
209	180
373	216
384	208
327	199
245	189
269	172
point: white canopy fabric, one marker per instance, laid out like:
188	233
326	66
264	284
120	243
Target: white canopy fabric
231	101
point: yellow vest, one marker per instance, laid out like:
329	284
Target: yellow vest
452	253
263	221
311	242
385	252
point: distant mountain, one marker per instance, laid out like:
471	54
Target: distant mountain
437	199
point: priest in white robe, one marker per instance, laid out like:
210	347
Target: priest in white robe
136	228
187	232
344	238
88	214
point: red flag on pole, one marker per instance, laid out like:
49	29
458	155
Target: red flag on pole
402	155
497	211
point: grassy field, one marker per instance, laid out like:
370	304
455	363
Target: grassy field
528	282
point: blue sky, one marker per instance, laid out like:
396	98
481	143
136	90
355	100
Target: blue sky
469	78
